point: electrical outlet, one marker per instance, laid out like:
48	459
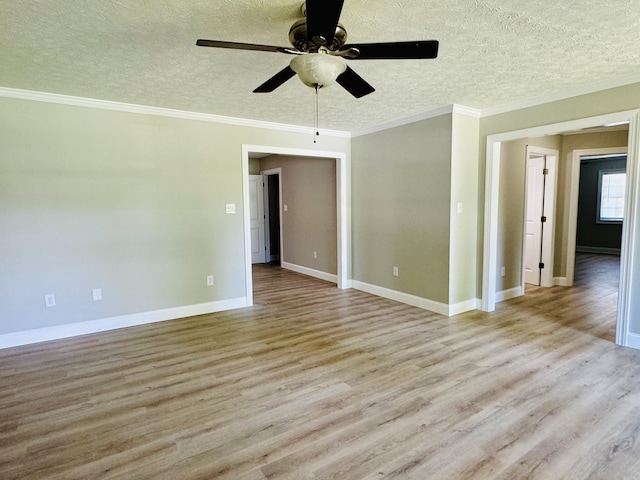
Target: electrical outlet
395	271
209	280
97	294
50	300
315	254
502	271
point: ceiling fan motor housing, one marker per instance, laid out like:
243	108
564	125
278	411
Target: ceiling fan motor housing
299	38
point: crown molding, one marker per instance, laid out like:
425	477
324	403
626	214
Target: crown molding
467	111
447	110
243	122
575	92
158	111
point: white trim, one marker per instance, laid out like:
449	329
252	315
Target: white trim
561	281
342	201
467	111
450	109
509	294
490	234
205	117
574	92
630	226
462	307
329	277
631	210
68	330
574	190
415	301
633	341
406	298
158	111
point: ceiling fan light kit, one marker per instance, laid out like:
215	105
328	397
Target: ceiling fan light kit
318	69
319	42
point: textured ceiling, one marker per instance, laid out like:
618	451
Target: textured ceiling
492	53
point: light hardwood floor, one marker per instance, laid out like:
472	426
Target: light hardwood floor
317	383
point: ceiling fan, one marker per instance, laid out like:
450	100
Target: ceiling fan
319	46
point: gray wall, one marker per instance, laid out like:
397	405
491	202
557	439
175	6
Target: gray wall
464	225
310	222
130	203
401	191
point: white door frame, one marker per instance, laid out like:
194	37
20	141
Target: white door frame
629	254
278	172
342	201
548	235
574	190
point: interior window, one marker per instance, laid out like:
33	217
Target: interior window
611	189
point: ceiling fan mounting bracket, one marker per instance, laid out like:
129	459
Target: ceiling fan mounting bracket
300	40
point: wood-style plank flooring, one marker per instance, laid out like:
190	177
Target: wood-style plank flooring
317	383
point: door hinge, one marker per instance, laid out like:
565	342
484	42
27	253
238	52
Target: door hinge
545	171
543	219
541	265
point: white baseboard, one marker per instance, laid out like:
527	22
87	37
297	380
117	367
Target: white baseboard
68	330
633	340
329	277
466	306
509	293
561	282
415	301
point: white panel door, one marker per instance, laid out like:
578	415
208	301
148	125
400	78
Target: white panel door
256	216
533	231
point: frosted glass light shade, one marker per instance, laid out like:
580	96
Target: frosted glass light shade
318	69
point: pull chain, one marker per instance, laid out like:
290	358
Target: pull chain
315	119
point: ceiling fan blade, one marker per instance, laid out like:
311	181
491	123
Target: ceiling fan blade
243	46
275	81
354	83
322	19
394	50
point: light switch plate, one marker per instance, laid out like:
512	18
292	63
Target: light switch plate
50	300
230	208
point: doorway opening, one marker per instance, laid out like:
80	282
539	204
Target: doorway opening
626	303
340	222
273	226
264	210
